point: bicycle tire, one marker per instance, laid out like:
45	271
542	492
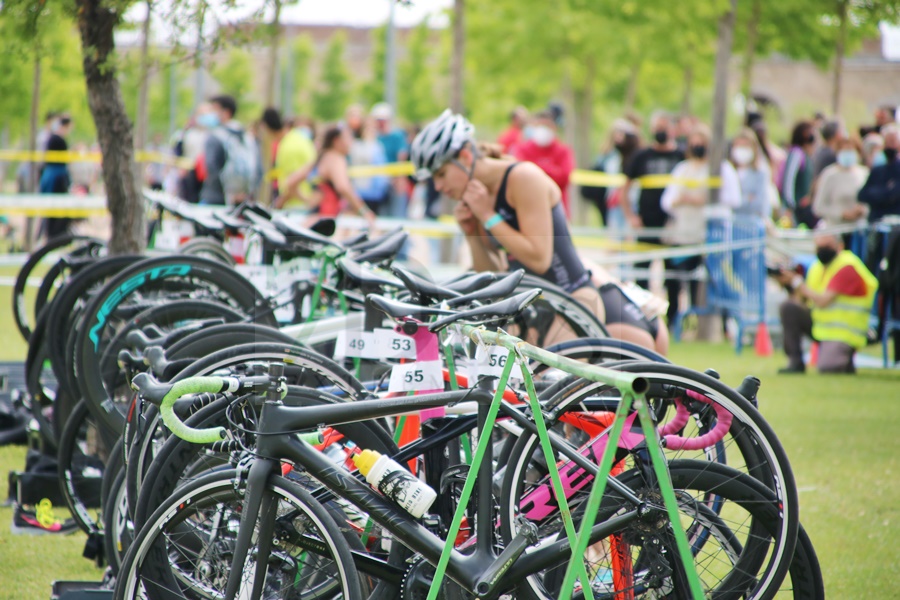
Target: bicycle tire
203	343
141	277
139	452
78	471
583	322
147	564
761	455
117	534
172	461
207	247
20	308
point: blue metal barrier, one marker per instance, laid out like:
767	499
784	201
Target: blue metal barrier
737	278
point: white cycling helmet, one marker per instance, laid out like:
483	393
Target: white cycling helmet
438	142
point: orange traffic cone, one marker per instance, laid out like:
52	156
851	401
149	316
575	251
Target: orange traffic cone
813	355
763	340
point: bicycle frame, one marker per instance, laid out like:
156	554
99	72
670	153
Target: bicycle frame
471	570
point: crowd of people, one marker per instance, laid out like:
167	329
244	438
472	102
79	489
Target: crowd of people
825	175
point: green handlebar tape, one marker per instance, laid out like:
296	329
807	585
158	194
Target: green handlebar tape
194	385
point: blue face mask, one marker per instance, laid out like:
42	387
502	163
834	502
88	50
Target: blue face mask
208	120
847	158
879	160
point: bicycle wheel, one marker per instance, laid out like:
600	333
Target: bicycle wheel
82	459
729	546
583	322
64	243
207	247
177	461
749	446
117	527
304	367
151	277
184	551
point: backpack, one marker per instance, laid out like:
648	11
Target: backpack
240	174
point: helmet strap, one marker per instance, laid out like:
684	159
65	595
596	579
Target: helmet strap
470	171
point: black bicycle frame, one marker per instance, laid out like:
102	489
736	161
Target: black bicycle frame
468	570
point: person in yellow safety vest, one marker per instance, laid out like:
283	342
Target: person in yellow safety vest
831	305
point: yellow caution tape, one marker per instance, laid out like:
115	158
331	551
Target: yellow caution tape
70	156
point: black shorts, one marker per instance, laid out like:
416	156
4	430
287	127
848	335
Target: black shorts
620	309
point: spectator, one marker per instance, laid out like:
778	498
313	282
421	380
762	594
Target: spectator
335	188
831	306
882	189
550	154
366	150
658	159
753	174
294	158
872	147
683	128
686	201
155	170
514	134
623	143
796	176
354	117
233	164
826	153
190	147
885	115
838	186
396	149
55	175
23	173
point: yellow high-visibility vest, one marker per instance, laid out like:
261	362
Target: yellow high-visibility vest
847	318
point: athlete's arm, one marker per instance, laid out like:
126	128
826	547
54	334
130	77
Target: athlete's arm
532	194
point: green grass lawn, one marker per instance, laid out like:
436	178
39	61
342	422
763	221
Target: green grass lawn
838	432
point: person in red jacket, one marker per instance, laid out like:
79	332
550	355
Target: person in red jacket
545	150
513	136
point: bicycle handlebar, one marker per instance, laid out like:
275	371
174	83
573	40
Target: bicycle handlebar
677	442
166	394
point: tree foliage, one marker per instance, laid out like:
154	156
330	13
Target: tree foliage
332	95
373	89
416	97
235	75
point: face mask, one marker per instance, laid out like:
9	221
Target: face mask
826	254
208	120
742	155
847	158
661	137
879	160
528	132
890	154
305	132
698	151
543	136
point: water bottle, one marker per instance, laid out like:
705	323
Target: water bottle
395	482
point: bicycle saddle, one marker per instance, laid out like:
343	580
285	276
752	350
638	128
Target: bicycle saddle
470	282
402	310
422	291
301	235
229	220
367	244
502	288
505	309
368	280
385	251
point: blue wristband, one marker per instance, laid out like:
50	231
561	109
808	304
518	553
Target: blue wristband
493	221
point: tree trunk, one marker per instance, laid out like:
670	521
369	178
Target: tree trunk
97	21
584	113
456	65
839	59
709	327
750	50
720	98
140	130
274	46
